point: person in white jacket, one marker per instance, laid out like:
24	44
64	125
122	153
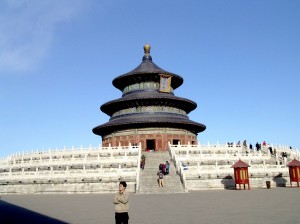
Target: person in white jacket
121	204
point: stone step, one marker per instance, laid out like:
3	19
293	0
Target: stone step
149	177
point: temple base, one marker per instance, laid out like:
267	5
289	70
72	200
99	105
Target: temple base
151	138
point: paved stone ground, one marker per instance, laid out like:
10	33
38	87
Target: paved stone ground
266	206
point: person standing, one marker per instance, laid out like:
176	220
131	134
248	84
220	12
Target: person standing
167	167
245	144
121	199
143	162
257	146
160	167
161	179
163	168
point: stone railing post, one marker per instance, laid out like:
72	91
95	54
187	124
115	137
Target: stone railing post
182	174
137	187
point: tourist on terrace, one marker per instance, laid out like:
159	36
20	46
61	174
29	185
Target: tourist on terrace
270	149
121	204
245	144
257	146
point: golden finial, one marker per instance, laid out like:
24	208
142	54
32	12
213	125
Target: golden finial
147	48
147	55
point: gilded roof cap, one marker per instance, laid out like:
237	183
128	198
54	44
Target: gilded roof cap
147	55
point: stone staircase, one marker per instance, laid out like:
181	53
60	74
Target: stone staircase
148	177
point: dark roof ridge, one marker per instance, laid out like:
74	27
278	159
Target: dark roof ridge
147	67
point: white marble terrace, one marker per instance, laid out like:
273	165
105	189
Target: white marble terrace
209	166
99	169
74	165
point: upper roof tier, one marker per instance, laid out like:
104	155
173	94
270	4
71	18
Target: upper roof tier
146	68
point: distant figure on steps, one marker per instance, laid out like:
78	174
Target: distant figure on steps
160	179
167	167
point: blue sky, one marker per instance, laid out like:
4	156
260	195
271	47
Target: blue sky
240	61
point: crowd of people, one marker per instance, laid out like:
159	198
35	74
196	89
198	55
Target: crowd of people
258	147
164	169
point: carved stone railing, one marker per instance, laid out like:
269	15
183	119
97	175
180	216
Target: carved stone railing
214	161
72	165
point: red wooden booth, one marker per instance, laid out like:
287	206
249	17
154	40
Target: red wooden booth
241	174
294	170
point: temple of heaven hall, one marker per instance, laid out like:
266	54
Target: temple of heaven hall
148	111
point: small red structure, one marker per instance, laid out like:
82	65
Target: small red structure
241	174
294	170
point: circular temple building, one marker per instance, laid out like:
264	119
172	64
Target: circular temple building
148	111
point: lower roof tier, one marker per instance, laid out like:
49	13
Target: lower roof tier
148	121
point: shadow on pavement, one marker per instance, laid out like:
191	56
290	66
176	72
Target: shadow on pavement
13	214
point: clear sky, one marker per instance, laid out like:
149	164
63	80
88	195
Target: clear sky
240	61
